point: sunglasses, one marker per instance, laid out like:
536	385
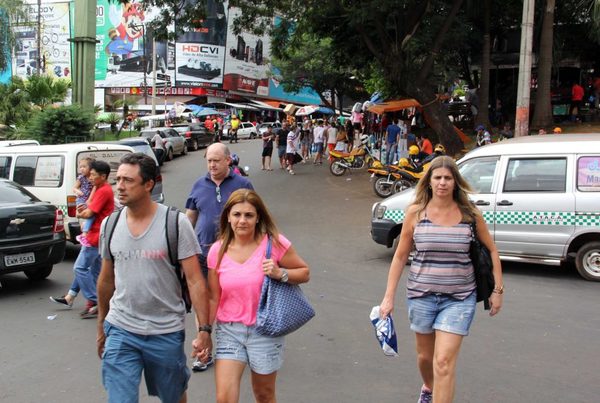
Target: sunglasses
218	190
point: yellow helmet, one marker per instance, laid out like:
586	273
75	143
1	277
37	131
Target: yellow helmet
413	150
557	130
439	149
403	162
377	164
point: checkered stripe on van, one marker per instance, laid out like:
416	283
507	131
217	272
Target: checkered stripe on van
590	220
488	217
64	209
394	215
535	217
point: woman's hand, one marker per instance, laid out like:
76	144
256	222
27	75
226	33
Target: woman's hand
271	269
495	303
386	307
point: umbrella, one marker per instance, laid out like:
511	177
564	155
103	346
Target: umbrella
307	110
206	112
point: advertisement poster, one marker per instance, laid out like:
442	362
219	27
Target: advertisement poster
247	61
55	49
304	96
588	174
200	54
124	52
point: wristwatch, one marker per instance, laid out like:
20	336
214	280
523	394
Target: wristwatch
205	328
284	276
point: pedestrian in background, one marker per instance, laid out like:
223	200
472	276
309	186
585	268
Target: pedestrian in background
281	142
293	139
267	151
391	141
350	133
205	203
331	138
319	134
237	267
306	138
141	320
441	290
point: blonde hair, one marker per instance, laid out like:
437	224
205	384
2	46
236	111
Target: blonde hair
423	193
264	224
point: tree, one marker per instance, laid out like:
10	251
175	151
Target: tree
12	12
43	90
542	114
484	89
61	125
15	109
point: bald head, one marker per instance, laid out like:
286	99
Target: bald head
217	160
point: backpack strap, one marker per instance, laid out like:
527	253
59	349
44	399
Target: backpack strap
109	229
172	226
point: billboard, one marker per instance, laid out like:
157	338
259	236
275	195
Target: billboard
247	61
200	53
54	48
304	96
124	52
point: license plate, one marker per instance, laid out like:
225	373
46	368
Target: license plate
21	258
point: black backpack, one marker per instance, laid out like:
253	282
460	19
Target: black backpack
172	226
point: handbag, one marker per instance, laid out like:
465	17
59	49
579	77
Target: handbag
282	308
482	267
297	158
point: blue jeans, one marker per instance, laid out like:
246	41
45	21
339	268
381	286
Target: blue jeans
390	153
160	356
87	269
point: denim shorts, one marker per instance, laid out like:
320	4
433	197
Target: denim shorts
441	312
161	357
236	341
281	151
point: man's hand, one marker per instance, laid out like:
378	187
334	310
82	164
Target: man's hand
100	340
202	347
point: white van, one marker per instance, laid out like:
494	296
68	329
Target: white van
50	172
539	195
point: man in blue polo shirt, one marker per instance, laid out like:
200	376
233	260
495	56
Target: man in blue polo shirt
391	141
205	204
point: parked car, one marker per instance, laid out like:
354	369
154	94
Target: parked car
142	145
538	195
195	135
246	130
262	128
32	236
174	142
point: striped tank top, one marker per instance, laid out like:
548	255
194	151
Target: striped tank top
441	263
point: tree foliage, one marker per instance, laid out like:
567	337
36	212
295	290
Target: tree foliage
44	90
12	13
62	125
15	109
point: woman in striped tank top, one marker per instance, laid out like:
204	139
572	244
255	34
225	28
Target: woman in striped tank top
441	293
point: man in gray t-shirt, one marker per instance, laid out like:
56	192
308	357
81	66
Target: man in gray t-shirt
140	307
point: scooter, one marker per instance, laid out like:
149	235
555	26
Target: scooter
358	158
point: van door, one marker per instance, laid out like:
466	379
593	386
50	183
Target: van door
535	206
482	174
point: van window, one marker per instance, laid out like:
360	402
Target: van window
45	171
5	167
536	175
479	173
588	174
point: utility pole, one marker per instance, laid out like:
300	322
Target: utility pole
39	37
84	57
154	76
524	82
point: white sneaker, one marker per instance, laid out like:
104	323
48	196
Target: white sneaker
292	172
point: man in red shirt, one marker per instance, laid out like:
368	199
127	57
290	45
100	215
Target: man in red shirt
577	93
87	265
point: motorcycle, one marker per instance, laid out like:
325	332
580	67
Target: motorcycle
358	158
387	181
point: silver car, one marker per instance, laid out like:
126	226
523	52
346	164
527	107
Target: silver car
174	142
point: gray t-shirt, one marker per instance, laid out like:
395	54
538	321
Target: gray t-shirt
147	298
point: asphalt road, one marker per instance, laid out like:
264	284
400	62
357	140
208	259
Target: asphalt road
543	347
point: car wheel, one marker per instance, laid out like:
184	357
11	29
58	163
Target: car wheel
252	135
195	145
185	150
169	154
38	274
587	261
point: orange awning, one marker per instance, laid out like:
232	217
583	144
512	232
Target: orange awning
398	105
393	106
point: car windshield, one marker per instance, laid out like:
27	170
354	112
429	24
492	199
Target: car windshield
181	129
12	193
